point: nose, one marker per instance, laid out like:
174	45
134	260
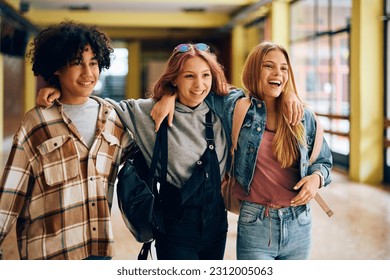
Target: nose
198	82
278	72
86	70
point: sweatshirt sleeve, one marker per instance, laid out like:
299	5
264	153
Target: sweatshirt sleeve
123	109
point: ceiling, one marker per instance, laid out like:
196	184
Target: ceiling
218	6
139	19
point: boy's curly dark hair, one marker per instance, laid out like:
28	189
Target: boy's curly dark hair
58	45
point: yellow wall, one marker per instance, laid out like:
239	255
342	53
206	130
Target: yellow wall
280	22
238	54
367	94
133	89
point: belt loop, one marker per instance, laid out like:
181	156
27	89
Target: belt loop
293	212
262	212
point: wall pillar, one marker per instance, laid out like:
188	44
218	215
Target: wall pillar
238	54
280	22
367	93
133	88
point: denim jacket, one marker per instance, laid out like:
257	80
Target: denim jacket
251	134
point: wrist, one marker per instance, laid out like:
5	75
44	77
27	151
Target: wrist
322	179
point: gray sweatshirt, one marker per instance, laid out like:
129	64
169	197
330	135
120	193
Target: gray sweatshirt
186	138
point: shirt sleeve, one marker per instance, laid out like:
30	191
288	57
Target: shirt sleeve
15	184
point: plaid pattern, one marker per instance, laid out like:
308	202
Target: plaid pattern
60	191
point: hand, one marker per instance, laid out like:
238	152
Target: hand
164	107
292	108
46	96
309	186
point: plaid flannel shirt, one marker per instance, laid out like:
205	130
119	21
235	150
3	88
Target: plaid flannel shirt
59	190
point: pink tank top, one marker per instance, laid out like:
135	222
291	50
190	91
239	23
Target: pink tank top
271	184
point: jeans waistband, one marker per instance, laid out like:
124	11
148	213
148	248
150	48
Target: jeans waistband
291	212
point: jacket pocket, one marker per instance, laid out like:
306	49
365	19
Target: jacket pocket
107	153
60	160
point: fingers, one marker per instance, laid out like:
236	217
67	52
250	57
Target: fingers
157	119
308	188
296	113
170	118
157	125
304	195
300	184
51	98
46	96
55	94
300	200
290	113
299	113
295	117
153	114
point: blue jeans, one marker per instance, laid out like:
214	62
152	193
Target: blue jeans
276	234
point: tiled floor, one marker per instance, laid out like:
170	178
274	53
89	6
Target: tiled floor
359	229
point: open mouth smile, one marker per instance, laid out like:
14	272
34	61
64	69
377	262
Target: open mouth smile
85	83
275	82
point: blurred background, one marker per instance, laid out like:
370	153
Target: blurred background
340	55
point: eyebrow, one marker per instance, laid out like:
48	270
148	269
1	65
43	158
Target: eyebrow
191	71
270	61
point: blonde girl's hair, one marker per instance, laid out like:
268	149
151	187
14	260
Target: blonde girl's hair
174	66
287	138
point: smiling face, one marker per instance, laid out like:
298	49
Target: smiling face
194	82
79	78
274	75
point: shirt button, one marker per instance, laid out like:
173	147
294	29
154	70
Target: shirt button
91	178
259	105
94	229
93	203
258	129
55	144
199	162
211	147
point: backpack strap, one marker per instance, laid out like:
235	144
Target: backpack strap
239	113
160	153
317	141
313	157
160	148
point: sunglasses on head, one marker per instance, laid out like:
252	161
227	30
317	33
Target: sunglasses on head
186	47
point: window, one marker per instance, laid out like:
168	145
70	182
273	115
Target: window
319	48
112	82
